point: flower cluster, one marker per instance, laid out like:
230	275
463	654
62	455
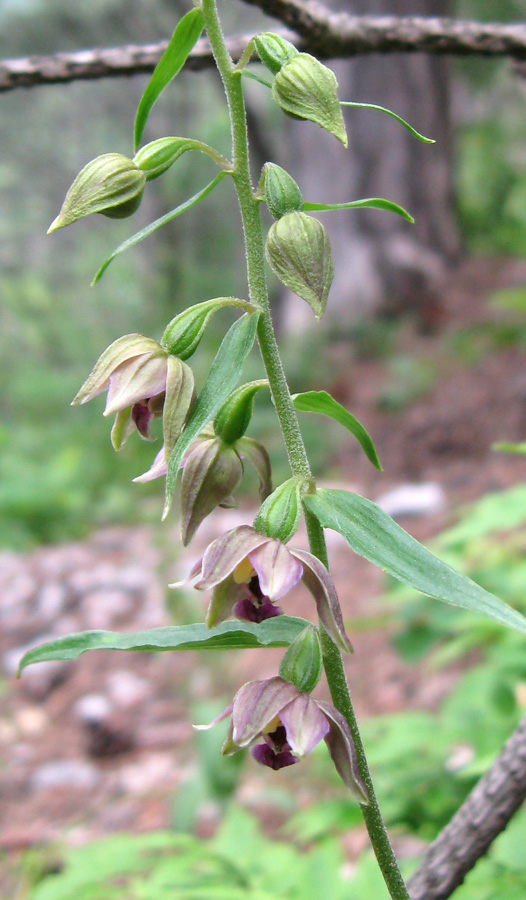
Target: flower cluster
281	724
249	572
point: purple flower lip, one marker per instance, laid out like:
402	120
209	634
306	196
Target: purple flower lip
280	725
232	562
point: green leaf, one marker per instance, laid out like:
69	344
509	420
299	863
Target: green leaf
184	38
393	115
153	226
371	202
322	402
277	632
374	535
222	378
505	447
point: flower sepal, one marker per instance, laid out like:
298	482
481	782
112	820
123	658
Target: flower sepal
299	253
212	472
282	194
183	334
306	89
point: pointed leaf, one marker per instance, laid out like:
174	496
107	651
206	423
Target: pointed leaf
185	36
393	115
224	373
158	223
277	632
322	402
374	535
369	202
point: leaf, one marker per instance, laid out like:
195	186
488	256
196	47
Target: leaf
185	36
321	402
393	115
222	378
279	631
505	447
374	535
369	202
158	223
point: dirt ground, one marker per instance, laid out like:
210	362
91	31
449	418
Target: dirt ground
103	743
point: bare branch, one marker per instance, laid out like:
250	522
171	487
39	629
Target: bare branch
324	33
480	819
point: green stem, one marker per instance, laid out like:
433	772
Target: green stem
297	454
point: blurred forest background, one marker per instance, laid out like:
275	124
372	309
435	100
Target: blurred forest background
60	477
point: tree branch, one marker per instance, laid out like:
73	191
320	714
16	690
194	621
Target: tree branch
480	819
326	34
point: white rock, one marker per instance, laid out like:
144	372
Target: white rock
51	600
127	689
92	708
103	607
65	773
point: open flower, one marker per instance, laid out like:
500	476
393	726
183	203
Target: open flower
144	382
248	572
280	725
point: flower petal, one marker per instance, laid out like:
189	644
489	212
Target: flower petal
211	473
267	757
122	428
258	456
123	349
194	572
304	723
343	753
157	470
256	704
224	596
136	379
318	581
180	393
224	714
224	554
278	572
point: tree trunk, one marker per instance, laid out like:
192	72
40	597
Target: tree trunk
382	262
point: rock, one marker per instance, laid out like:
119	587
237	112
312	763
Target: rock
126	689
31	721
65	773
156	770
92	708
413	500
51	601
102	608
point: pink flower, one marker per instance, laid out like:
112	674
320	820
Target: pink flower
248	572
280	725
143	382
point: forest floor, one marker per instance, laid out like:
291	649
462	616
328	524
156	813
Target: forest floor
105	743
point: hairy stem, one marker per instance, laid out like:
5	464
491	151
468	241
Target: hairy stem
288	419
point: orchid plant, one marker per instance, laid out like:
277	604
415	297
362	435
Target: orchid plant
251	569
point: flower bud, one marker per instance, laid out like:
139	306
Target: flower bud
302	664
279	515
299	253
110	184
156	157
306	89
234	417
282	194
212	471
274	51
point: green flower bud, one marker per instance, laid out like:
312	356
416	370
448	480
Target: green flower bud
282	194
302	664
212	472
279	515
274	51
183	334
306	89
234	417
299	253
110	184
155	158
